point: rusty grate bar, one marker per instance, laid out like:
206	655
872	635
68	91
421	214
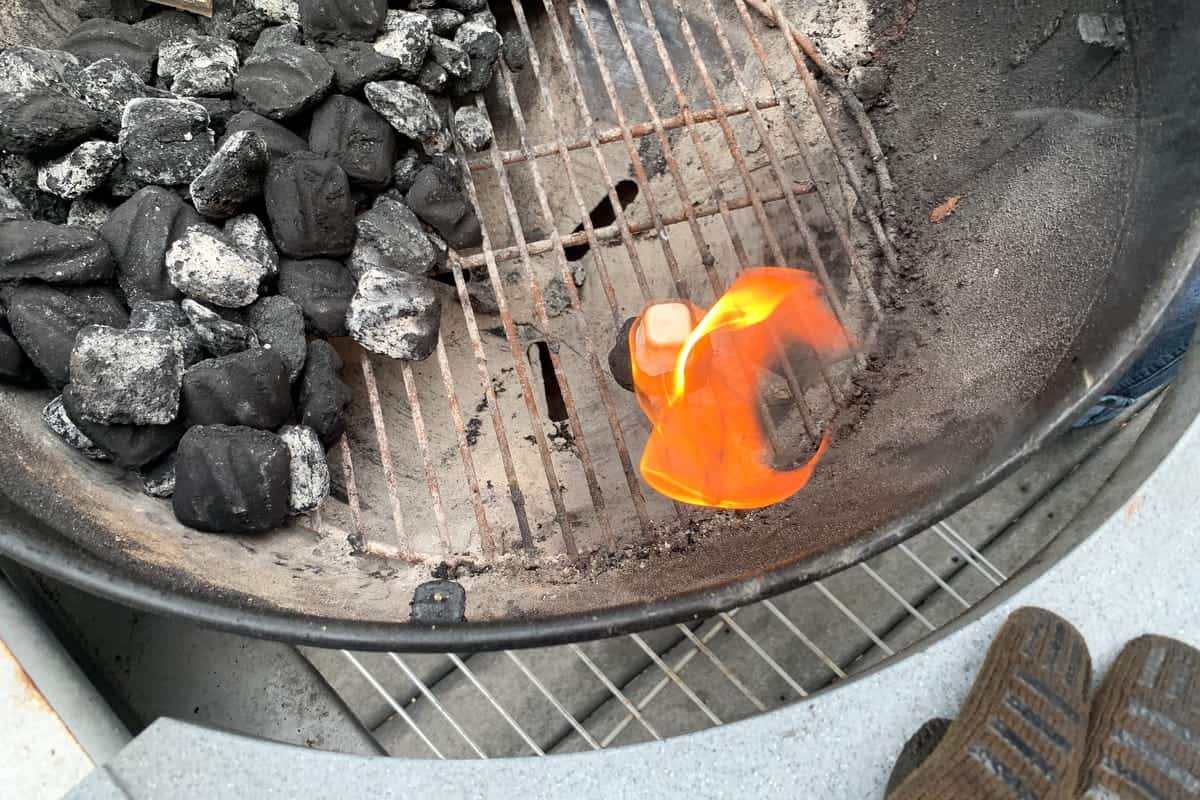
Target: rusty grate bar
610	233
684	119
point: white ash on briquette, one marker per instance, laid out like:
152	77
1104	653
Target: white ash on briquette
189	206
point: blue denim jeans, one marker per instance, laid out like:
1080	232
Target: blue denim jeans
1158	365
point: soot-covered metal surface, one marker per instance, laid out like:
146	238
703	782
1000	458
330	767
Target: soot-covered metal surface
1077	185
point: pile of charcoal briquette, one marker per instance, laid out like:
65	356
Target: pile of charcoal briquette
190	206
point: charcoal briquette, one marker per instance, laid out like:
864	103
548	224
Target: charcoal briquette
56	419
393	230
249	388
232	480
11	208
107	85
482	45
484	17
106	305
450	56
165	142
233	177
15	366
445	21
358	138
220	111
334	21
406	37
355	64
126	377
87	213
432	78
516	50
404	171
309	469
34	250
196	65
81	171
139	233
437	199
168	24
289	33
279	325
322	288
220	336
29	69
280	141
45	323
279	12
323	398
44	124
249	235
395	314
205	266
129	446
18	174
121	10
472	128
409	111
283	80
96	39
465	6
167	315
309	204
158	479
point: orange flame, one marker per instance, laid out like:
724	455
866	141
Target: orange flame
706	446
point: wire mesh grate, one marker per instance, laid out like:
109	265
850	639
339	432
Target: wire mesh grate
747	661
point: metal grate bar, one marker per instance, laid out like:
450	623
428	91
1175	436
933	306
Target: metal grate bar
795	631
947	588
486	538
515	493
625	230
887	587
887	189
568	397
882	645
675	679
721	666
458	662
515	351
966	555
806	233
617	693
635	160
541	687
598	374
706	256
972	549
391	701
763	654
613	135
428	695
654	691
385	454
716	282
357	540
431	480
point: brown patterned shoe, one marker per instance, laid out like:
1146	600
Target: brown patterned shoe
1144	732
1020	734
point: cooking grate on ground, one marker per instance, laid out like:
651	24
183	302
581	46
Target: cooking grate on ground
645	151
686	678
